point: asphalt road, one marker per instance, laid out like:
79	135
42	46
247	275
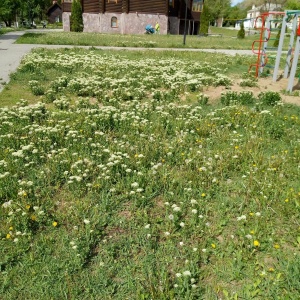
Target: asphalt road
11	54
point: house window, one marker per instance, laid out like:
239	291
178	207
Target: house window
171	3
114	22
197	5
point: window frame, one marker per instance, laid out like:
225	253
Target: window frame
195	3
114	20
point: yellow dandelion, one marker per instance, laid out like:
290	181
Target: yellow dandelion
236	147
33	217
27	206
213	246
276	246
286	200
256	243
8	236
203	195
251	214
252	232
54	224
271	270
11	228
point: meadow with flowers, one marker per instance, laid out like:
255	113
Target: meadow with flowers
119	179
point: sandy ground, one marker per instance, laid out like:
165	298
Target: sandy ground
264	84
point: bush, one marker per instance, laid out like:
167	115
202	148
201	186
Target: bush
233	98
269	98
76	17
203	99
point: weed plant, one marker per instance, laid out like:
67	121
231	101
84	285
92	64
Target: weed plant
126	188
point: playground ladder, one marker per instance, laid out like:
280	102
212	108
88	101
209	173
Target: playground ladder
291	62
265	34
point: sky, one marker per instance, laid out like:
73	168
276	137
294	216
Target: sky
235	2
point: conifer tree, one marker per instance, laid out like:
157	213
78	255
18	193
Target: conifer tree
276	41
204	20
76	16
241	32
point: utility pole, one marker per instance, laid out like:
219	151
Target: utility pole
184	35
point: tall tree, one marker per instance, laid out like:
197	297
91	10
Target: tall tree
292	5
8	11
217	8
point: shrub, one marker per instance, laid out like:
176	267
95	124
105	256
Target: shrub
246	98
203	99
229	98
269	98
36	88
251	82
232	98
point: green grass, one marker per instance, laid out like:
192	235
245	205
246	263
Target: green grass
121	184
227	41
4	30
152	41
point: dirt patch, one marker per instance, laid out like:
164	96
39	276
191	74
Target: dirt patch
264	84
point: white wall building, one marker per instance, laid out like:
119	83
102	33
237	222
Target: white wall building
254	12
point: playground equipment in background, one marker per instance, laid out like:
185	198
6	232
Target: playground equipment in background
293	48
263	58
267	19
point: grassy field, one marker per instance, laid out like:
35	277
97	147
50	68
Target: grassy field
228	40
4	30
120	180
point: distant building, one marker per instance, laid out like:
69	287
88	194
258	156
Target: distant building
254	12
132	16
54	13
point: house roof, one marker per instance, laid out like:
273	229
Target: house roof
51	8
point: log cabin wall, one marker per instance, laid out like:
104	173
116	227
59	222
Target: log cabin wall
91	6
114	6
152	7
66	6
133	15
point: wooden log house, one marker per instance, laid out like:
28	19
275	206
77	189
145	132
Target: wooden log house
132	16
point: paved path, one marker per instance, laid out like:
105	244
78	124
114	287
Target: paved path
11	54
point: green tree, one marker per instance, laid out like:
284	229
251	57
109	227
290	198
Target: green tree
204	20
76	17
218	8
8	11
292	5
241	32
235	13
11	10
